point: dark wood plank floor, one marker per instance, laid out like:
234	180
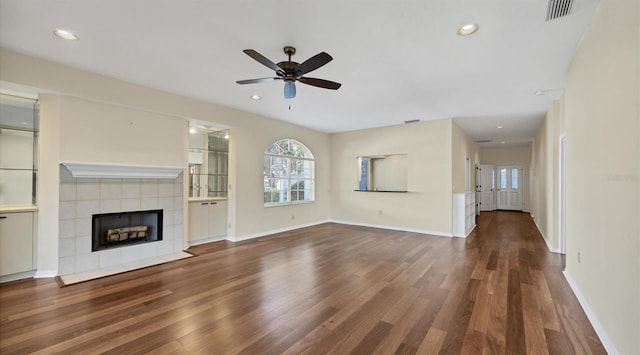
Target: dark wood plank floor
328	289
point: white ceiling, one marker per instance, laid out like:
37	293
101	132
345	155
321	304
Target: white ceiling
397	60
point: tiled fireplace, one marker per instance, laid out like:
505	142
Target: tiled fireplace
82	198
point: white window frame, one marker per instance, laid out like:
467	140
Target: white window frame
289	178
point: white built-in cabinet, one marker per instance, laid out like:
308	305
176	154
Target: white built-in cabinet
464	213
207	220
17	230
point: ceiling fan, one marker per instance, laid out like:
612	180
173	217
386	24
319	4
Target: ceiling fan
291	72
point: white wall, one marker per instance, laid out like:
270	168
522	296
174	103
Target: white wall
603	128
427	205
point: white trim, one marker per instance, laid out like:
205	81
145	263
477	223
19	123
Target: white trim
549	246
45	274
471	230
205	241
286	229
562	195
421	231
273	231
124	171
17	276
591	315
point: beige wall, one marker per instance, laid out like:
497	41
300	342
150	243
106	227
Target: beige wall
427	205
546	180
507	156
97	132
101	96
603	128
463	147
538	176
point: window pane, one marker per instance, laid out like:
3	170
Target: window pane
275	167
503	178
514	178
286	176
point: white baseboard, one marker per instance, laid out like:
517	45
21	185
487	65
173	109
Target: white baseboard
546	241
471	230
274	231
18	276
421	231
205	241
45	274
597	326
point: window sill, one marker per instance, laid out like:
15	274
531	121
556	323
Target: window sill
283	204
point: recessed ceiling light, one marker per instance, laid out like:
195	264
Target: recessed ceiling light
539	93
503	142
256	97
499	127
65	34
467	29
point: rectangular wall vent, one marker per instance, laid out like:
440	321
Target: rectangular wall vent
558	8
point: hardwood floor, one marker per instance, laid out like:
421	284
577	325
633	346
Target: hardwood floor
327	289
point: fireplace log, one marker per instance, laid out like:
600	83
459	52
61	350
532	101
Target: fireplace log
126	233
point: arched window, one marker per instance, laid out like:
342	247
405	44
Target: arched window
288	173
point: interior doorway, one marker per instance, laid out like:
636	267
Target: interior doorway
509	187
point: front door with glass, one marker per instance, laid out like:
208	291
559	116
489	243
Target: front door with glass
509	195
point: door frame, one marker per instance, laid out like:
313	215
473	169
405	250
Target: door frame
562	198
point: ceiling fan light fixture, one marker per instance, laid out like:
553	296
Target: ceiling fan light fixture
468	29
289	89
68	35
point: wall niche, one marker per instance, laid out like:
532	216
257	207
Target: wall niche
383	173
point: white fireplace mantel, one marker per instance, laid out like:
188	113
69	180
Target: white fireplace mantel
121	171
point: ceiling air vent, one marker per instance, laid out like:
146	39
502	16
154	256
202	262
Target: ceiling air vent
484	141
558	8
411	121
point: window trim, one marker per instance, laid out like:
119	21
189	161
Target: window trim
289	159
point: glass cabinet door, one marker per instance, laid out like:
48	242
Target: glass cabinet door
19	125
208	163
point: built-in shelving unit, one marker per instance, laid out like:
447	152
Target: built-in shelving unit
19	125
464	213
208	163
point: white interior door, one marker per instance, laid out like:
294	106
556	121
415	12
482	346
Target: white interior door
509	187
487	187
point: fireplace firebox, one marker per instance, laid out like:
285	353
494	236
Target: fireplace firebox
112	230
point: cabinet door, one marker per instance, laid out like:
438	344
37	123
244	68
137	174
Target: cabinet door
218	219
16	242
198	220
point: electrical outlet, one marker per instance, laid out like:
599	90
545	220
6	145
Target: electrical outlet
293	217
380	212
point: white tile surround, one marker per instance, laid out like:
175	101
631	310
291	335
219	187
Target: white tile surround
80	198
